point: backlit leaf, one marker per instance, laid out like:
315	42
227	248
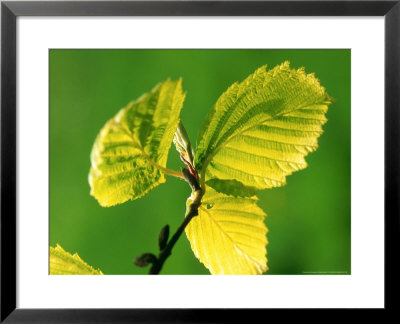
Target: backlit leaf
64	263
260	130
229	235
130	153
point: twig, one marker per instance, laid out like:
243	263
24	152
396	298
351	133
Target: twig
165	253
193	211
158	262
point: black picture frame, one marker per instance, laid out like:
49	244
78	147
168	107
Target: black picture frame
10	10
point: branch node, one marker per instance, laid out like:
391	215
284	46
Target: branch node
190	179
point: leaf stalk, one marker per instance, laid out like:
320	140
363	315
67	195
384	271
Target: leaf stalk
165	170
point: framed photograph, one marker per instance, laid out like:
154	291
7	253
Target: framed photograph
186	161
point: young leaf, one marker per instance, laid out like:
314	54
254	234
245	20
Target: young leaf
260	130
182	143
229	235
64	263
129	156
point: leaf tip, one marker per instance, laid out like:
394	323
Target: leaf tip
62	262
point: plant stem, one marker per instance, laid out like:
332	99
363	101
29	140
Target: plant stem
192	212
165	253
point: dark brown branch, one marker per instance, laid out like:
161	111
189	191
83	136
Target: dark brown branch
197	193
165	253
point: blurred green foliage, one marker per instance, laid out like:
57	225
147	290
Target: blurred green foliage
308	219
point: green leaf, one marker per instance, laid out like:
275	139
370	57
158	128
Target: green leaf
260	130
231	187
64	263
229	235
130	153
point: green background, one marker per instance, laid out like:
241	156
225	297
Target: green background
308	219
